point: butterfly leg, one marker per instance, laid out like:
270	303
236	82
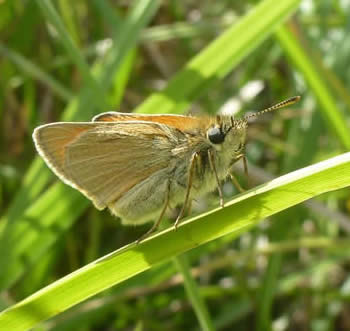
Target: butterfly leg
213	168
236	183
188	190
156	224
189	207
234	179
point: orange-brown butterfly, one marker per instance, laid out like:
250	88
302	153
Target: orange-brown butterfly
138	165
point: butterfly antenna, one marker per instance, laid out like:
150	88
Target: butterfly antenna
279	105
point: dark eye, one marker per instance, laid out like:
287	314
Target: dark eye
215	135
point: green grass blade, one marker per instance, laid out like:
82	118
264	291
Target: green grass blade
107	11
239	215
193	294
68	11
182	30
268	292
35	72
54	19
139	17
38	229
317	83
216	60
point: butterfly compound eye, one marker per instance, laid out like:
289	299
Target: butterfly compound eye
215	135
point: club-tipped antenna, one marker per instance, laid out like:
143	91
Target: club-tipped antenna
279	105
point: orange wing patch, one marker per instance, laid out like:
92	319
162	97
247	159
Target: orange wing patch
180	122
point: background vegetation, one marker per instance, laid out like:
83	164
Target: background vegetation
65	60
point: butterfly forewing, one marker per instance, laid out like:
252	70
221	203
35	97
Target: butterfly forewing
176	121
51	141
96	157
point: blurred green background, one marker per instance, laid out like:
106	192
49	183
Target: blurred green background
69	60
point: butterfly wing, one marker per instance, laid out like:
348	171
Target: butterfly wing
183	123
104	160
51	141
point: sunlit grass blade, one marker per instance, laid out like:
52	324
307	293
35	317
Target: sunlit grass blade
38	229
217	59
183	30
239	215
317	83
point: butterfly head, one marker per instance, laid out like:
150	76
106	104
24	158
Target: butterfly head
228	134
